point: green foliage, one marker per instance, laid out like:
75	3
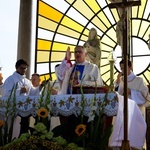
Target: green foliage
10	105
96	135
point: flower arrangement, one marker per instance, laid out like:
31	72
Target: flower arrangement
93	132
5	129
44	106
40	139
89	131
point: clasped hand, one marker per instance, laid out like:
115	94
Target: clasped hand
23	90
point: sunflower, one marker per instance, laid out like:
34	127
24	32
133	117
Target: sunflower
1	123
80	129
42	112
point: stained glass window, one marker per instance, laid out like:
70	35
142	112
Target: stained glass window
66	23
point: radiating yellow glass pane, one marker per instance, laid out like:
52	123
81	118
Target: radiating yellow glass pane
86	32
144	26
105	47
70	1
53	76
72	24
102	16
95	7
42	56
112	34
84	38
43	45
57	56
106	75
105	53
49	12
104	62
61	46
147	74
98	23
114	11
44	77
83	8
146	34
67	31
134	12
47	24
135	27
105	68
141	8
108	40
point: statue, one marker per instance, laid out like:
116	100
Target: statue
92	46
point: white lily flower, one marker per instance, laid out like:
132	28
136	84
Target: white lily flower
91	118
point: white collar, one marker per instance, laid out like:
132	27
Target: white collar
19	75
131	76
83	63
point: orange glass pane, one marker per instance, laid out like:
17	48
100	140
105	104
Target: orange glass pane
43	45
49	12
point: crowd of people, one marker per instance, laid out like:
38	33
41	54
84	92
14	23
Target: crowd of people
70	75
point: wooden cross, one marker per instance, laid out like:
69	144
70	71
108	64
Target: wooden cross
124	5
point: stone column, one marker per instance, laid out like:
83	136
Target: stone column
24	34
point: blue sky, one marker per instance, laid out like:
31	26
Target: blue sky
9	18
9	14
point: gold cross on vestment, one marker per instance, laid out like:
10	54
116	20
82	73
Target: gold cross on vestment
124	5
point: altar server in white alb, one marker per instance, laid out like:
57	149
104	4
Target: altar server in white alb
137	89
24	85
136	126
24	88
138	99
81	68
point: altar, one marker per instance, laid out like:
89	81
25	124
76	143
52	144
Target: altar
62	104
67	105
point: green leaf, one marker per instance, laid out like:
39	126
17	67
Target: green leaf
106	136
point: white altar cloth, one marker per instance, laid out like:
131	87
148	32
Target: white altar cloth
62	104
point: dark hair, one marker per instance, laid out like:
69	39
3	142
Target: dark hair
57	65
20	62
35	74
129	62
